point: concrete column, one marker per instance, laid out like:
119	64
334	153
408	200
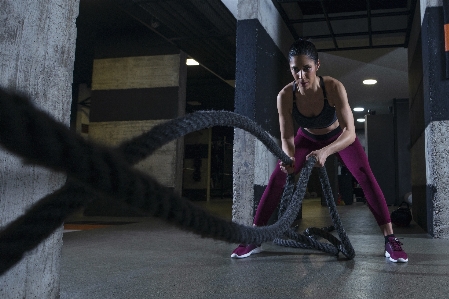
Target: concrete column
261	72
436	119
416	106
37	49
430	108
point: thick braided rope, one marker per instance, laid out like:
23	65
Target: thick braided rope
99	171
309	242
144	145
345	245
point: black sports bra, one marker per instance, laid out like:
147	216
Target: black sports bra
323	120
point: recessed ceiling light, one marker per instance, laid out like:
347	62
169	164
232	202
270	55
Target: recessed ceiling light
369	81
191	61
358	109
361	120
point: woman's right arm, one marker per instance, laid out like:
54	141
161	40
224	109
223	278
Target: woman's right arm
284	106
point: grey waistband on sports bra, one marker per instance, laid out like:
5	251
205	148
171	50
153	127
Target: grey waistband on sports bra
326	117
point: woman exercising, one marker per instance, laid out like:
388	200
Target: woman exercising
320	107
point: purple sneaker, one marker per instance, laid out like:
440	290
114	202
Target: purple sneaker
246	250
393	250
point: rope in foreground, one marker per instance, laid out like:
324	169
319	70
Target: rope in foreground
96	171
308	239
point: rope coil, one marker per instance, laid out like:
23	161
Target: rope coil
308	239
94	170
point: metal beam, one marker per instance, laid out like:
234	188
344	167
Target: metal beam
368	9
329	26
350	17
360	33
284	17
413	4
363	48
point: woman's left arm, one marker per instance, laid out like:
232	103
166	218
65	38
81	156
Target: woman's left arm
337	92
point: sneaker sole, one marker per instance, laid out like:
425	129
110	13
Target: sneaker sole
254	251
401	260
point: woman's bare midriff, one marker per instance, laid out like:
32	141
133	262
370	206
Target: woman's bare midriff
323	130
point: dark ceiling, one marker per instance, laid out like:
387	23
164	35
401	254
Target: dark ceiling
206	31
351	24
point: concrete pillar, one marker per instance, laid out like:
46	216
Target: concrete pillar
37	49
130	95
429	110
261	72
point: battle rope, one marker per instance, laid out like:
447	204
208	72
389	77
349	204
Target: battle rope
308	240
94	170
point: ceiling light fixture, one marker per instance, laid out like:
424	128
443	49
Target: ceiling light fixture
359	109
191	61
369	81
361	120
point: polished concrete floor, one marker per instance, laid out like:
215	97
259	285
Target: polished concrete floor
152	259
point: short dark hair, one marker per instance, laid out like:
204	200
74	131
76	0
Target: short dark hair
303	47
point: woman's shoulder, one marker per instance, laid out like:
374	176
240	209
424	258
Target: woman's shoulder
331	81
286	91
285	97
335	90
332	85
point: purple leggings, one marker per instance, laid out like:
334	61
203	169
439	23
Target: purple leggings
353	157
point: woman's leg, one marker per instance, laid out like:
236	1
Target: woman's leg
355	159
273	192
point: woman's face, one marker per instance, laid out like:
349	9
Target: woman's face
303	70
